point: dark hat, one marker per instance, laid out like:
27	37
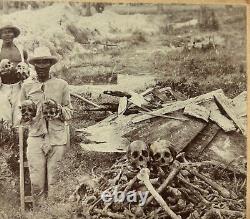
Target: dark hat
15	30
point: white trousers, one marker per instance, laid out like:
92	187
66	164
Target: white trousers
43	166
9	107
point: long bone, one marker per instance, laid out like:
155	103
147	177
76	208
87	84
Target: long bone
143	175
183	180
223	191
176	168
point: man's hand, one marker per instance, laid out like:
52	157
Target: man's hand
51	110
23	71
28	110
6	66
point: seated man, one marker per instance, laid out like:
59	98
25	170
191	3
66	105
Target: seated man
47	132
9	81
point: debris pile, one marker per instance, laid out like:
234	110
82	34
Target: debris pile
152	182
192	151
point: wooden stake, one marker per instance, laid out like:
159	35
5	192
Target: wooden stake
21	164
85	100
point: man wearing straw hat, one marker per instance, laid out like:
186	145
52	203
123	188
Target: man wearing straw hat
47	132
9	79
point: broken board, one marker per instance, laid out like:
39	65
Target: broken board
216	116
178	105
180	133
225	105
201	141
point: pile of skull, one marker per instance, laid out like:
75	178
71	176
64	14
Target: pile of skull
50	110
22	69
175	188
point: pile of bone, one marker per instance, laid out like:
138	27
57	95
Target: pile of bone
155	183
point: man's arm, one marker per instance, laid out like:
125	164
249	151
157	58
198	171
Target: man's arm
23	96
67	109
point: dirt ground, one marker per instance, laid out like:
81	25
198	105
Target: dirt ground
142	59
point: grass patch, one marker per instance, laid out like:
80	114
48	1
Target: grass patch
203	71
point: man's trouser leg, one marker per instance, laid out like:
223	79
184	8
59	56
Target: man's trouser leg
15	96
5	106
37	167
54	158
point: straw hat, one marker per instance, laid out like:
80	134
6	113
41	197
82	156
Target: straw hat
14	28
42	53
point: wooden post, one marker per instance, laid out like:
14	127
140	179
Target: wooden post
68	135
21	164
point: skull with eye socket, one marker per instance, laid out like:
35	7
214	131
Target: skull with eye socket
28	110
138	154
51	110
6	66
23	70
162	153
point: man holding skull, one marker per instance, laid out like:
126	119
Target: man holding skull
49	98
10	57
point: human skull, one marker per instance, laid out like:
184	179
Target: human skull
50	110
162	153
6	65
23	70
138	154
28	110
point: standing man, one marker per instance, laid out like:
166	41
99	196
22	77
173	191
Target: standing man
47	132
9	80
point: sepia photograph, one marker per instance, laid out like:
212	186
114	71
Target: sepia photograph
123	110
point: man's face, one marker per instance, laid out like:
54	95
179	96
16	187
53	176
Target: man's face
42	68
7	35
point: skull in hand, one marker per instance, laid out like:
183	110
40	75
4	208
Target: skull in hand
23	70
28	110
6	66
51	110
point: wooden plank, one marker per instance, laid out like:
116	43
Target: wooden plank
216	116
123	104
202	140
85	100
240	104
117	93
225	105
171	107
187	133
146	92
197	111
160	95
180	133
137	99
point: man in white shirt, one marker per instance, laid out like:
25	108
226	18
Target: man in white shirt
47	133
